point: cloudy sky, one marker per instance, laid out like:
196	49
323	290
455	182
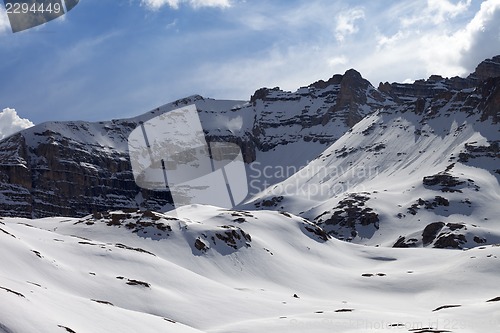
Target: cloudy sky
119	58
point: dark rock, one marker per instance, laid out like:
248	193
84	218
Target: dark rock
69	330
137	221
442	179
262	94
138	283
489	68
440	201
200	246
479	240
350	214
272	202
234	237
437	201
403	243
133	282
496	299
335	80
102	302
12	292
137	249
319	232
7	233
490	90
446	307
455	226
431	231
451	241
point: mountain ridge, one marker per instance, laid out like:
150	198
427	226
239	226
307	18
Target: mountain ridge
423	173
77	168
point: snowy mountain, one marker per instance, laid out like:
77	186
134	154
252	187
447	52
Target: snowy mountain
422	171
370	210
77	168
379	166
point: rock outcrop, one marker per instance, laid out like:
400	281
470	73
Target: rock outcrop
489	68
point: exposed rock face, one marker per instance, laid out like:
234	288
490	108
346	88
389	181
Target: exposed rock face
430	95
349	218
353	97
47	173
15	178
439	235
314	113
77	168
147	224
436	84
431	231
489	68
490	99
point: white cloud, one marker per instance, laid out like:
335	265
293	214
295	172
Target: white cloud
4	21
258	21
80	53
384	41
157	4
286	44
346	23
271	17
444	41
384	49
333	62
171	25
444	9
481	36
210	3
459	52
289	68
10	123
434	12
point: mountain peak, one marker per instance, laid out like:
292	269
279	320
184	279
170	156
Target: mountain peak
352	73
352	79
488	68
349	75
320	84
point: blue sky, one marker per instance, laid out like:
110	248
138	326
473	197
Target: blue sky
119	58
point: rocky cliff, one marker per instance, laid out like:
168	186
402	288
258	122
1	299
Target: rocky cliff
420	171
77	168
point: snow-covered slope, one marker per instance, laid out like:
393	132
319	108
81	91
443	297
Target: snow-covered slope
423	172
232	271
